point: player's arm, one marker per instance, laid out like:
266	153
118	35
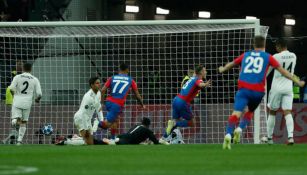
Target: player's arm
13	85
288	75
232	64
274	63
152	137
137	93
105	88
38	91
205	84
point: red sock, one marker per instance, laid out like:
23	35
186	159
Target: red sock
248	115
103	125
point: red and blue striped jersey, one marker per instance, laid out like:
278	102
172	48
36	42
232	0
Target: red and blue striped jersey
119	86
254	67
190	89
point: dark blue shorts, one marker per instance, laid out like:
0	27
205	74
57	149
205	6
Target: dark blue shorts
246	97
113	111
181	109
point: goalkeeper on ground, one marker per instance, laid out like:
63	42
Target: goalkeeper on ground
136	135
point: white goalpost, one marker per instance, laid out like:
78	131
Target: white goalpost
159	53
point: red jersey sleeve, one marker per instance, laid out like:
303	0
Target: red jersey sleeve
198	82
273	62
108	83
239	59
133	85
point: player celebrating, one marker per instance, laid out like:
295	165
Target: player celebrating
254	66
182	114
119	86
281	94
24	87
82	119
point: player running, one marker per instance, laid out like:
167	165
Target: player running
254	66
24	87
182	114
119	86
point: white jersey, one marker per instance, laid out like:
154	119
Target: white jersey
280	83
25	86
89	105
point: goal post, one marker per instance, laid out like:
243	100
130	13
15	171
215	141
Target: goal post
159	53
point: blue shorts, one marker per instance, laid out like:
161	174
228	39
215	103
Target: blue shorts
113	111
181	109
246	97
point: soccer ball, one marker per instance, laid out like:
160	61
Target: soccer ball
175	137
264	140
47	129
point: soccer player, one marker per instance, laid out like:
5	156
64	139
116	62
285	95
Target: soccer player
82	118
136	135
281	94
182	114
254	66
119	86
24	87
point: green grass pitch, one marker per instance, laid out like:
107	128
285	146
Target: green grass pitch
186	159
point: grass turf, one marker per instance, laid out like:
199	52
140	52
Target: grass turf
157	159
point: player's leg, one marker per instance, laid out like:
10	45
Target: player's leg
84	127
16	115
23	116
273	105
254	99
287	100
176	105
186	116
87	137
113	111
239	105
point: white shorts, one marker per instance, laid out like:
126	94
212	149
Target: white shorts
23	114
280	100
82	123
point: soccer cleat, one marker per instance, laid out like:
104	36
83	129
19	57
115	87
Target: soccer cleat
110	141
170	125
290	141
237	135
19	143
227	142
163	141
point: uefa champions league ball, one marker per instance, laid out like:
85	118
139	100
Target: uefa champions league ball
47	129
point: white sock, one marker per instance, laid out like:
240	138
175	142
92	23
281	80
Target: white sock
21	132
74	142
238	129
270	125
290	125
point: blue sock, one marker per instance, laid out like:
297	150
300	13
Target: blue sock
183	123
165	134
232	121
230	128
243	123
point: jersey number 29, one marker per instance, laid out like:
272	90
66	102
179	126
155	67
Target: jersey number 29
253	65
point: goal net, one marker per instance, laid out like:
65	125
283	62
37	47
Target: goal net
160	53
